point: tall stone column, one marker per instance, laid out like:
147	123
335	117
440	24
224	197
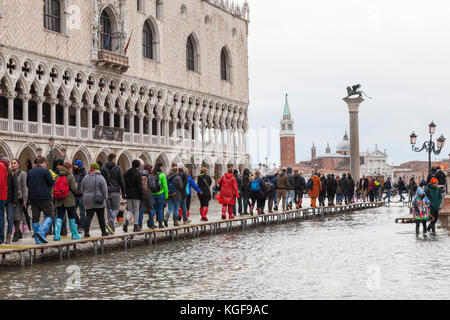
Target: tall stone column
25	100
353	109
78	107
11	96
39	100
90	109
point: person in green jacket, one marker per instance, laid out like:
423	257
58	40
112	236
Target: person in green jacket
434	193
160	197
66	203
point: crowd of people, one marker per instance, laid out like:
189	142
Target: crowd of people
64	191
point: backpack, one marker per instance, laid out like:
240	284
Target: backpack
154	183
61	188
310	184
254	185
172	186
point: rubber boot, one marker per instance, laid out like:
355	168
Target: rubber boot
73	229
188	213
230	213
206	213
8	238
35	227
43	229
57	233
224	212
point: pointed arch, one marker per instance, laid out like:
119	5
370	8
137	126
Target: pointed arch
5	150
225	64
150	39
193	53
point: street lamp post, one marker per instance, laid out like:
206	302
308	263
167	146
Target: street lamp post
429	146
51	156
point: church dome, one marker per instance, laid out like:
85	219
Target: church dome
344	145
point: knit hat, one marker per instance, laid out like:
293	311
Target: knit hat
136	164
434	180
95	166
78	163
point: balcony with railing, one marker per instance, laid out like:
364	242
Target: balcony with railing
113	60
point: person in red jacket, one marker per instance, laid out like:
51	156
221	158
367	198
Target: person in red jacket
228	192
4	164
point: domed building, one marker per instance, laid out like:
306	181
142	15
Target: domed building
343	147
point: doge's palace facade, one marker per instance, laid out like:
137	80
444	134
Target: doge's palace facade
169	76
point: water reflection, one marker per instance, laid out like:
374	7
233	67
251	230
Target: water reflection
360	256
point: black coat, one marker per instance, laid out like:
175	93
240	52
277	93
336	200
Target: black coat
185	179
299	183
204	182
133	184
246	183
350	186
40	183
79	175
114	178
12	189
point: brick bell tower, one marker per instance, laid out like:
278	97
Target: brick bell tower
287	137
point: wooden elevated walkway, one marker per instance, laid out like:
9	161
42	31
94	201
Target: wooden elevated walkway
28	248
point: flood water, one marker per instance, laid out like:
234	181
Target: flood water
357	256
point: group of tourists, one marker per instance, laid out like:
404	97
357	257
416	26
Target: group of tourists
65	192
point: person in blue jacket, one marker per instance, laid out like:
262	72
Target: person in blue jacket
257	191
272	180
191	184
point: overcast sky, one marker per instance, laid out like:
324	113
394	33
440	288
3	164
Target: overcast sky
399	51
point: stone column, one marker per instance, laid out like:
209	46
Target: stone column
131	120
90	109
166	130
25	99
112	111
39	102
122	118
353	109
78	106
158	130
53	103
11	96
141	127
101	113
150	127
66	106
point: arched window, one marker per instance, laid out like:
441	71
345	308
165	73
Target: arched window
147	41
225	69
105	32
52	15
190	58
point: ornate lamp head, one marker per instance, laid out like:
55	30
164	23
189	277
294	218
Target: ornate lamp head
413	137
432	127
51	142
441	142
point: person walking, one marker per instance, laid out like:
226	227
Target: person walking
388	187
412	188
314	188
185	180
22	195
160	196
116	186
299	188
283	186
401	187
228	192
290	191
272	193
40	182
434	193
257	191
191	184
175	188
147	202
204	182
372	190
79	173
421	210
95	195
364	185
64	195
4	164
323	191
331	189
11	204
338	191
238	200
245	192
350	189
133	185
